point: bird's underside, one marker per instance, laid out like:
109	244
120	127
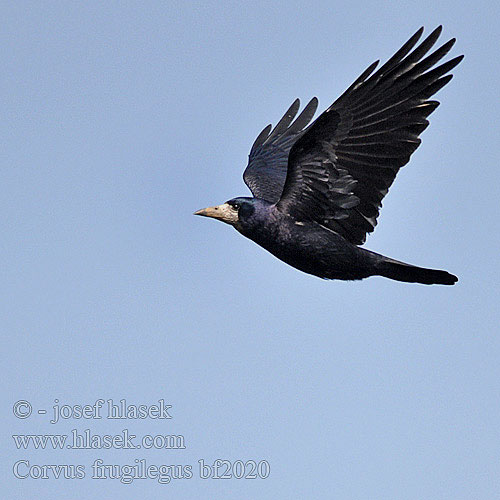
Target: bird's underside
318	186
317	250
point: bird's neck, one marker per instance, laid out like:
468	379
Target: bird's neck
264	217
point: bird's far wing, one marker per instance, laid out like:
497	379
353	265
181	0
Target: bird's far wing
343	165
267	163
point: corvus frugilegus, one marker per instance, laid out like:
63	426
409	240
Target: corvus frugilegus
318	186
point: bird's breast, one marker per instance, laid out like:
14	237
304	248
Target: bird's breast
305	246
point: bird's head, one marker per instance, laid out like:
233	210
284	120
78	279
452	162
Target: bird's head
232	212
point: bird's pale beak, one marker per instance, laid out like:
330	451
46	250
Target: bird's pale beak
223	212
214	212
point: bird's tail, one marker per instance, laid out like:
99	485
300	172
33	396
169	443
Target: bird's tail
400	271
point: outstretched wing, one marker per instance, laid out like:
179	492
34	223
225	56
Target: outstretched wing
268	160
340	169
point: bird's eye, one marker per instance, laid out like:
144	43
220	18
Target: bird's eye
236	206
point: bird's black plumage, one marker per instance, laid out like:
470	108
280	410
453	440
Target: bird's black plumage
318	186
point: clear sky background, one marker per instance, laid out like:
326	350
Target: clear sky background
119	119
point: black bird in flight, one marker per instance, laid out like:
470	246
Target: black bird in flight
318	186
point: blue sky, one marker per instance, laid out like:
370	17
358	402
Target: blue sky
122	118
